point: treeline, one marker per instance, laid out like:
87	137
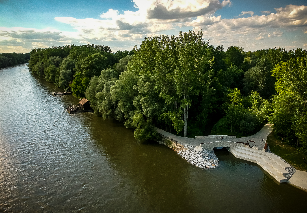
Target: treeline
71	67
12	59
186	86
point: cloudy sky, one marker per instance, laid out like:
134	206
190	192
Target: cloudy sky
121	24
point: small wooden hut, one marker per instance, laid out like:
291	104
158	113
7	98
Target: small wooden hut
85	104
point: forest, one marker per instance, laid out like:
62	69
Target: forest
12	59
184	85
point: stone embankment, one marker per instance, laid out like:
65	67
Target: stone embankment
196	155
199	151
200	157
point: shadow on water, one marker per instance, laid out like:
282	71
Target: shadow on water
159	175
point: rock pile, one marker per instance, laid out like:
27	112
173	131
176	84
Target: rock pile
200	157
291	171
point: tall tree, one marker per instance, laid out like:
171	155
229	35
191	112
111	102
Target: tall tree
290	110
90	66
234	56
171	71
67	70
192	70
259	78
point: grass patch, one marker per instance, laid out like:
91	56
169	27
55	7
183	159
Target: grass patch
287	152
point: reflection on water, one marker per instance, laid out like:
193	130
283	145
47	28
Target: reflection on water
51	161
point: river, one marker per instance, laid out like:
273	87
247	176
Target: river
51	161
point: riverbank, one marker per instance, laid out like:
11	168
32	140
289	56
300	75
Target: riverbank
287	152
292	156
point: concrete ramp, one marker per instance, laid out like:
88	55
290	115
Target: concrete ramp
299	179
271	163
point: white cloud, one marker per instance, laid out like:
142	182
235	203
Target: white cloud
151	18
205	20
287	17
266	12
146	21
246	32
110	14
24	39
30	34
251	13
154	17
275	34
181	9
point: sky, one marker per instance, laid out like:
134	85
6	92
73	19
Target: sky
122	24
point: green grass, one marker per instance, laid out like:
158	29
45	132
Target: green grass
287	152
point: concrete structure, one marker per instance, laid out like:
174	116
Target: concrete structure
248	148
271	163
257	140
299	179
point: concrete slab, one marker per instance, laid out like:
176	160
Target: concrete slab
299	179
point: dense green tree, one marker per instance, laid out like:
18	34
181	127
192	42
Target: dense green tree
219	57
79	85
54	60
122	54
121	66
4	61
244	115
146	103
12	59
88	67
81	59
39	68
99	94
234	56
231	77
195	74
51	69
93	64
65	78
91	92
290	117
260	79
170	73
123	92
66	72
50	73
99	89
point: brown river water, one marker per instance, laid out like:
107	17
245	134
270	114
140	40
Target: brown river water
51	161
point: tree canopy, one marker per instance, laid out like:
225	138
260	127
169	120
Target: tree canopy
12	59
290	110
186	86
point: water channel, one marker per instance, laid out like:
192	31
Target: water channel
51	161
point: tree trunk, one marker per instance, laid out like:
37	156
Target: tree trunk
185	117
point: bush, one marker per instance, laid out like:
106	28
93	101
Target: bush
243	119
238	121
